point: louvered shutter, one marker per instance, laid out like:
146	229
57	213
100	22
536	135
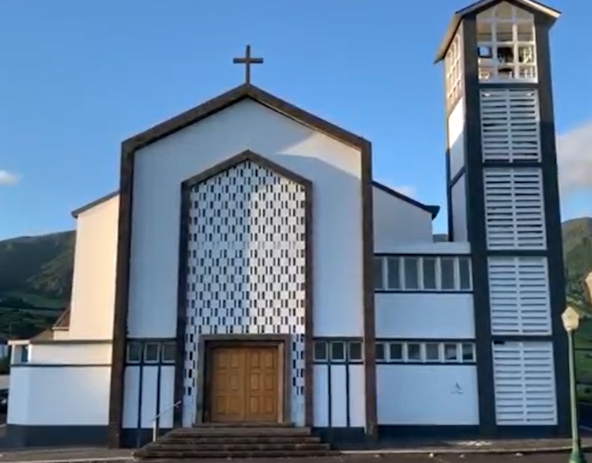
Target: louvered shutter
524	379
519	296
514	208
510	121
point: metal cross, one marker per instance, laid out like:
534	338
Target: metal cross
247	60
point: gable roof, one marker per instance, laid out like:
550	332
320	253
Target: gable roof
433	210
477	7
231	97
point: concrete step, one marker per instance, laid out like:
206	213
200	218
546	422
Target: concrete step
157	447
219	440
239	431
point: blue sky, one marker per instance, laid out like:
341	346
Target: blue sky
78	77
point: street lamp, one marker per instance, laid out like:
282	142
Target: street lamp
571	321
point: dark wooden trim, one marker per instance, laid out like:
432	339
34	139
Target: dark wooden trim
369	322
472	363
129	149
433	210
456	177
422	254
419	291
282	342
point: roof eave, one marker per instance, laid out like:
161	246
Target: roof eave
87	207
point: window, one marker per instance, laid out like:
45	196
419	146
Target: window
151	352
429	273
320	351
468	352
428	352
411	273
450	352
393	273
423	273
464	270
380	352
134	352
338	351
414	352
355	351
448	273
378	273
396	351
169	352
432	351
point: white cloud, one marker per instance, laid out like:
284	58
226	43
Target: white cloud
8	178
574	156
406	190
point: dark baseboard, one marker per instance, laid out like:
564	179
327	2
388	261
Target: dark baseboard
21	436
421	435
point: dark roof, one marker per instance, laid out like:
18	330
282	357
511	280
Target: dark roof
477	7
231	97
63	322
431	209
94	203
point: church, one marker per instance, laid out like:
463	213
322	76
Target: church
249	269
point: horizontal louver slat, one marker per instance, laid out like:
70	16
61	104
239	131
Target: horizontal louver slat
514	208
510	125
519	296
524	380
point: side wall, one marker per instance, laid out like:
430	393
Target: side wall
60	396
93	288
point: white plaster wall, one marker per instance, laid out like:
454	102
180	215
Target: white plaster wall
93	287
397	222
427	395
424	316
59	395
337	392
153	401
459	210
70	353
456	142
333	168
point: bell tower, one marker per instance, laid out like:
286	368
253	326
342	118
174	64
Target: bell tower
503	198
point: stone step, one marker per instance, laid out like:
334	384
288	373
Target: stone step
195	454
187	440
288	447
239	431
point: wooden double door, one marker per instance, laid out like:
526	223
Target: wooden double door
243	383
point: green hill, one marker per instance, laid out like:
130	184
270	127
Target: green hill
36	275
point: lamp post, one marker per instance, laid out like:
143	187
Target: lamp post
571	321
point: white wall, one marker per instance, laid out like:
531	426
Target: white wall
442	248
70	353
424	316
149	390
61	395
456	142
334	169
427	395
93	288
397	222
459	210
340	394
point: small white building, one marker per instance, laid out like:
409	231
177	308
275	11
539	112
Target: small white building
249	240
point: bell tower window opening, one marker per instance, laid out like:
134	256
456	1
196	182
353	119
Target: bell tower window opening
454	71
506	44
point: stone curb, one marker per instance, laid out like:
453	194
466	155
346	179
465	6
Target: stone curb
465	451
76	460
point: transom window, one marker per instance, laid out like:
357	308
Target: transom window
399	351
150	352
338	351
422	273
506	44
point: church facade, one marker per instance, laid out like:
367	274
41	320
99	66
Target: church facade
249	269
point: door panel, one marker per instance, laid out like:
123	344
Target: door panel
244	384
